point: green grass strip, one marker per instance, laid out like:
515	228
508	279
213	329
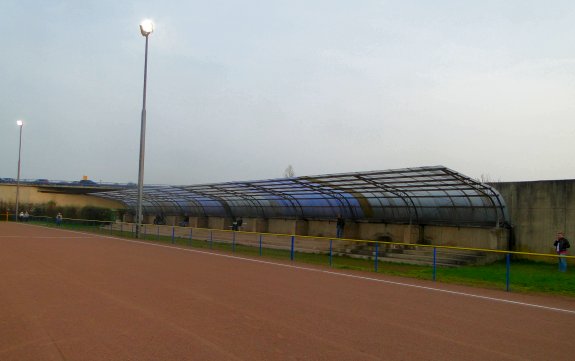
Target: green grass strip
525	276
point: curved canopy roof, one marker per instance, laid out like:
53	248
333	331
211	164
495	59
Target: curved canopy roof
425	195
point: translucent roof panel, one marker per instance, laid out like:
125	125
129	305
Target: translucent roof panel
425	195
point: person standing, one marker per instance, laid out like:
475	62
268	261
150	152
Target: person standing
59	219
340	225
561	244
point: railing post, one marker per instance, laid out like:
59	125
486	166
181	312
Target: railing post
375	262
330	251
292	248
508	267
233	241
434	263
173	234
260	244
191	229
144	226
158	232
121	229
211	240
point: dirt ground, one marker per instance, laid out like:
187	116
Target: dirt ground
72	296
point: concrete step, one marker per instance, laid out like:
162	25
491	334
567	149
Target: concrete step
412	255
419	258
403	261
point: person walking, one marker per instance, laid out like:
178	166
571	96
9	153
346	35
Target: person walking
561	244
340	225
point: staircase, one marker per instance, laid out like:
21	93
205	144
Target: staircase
420	255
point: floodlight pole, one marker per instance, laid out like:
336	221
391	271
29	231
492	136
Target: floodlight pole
20	124
146	30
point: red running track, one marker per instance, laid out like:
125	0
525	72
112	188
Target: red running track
74	296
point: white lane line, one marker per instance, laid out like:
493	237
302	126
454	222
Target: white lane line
427	288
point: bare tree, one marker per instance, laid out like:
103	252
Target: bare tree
289	172
486	178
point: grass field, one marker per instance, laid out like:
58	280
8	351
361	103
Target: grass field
525	276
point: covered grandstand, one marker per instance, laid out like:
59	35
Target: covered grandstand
421	196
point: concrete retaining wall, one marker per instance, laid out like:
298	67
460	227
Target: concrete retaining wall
538	210
33	195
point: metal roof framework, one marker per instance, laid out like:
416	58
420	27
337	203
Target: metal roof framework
424	195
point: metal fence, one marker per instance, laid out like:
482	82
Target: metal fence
475	266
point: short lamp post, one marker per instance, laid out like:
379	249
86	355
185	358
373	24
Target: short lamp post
146	28
20	124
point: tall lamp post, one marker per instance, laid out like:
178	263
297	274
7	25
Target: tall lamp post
146	28
20	124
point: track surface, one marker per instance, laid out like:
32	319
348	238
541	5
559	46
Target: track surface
75	296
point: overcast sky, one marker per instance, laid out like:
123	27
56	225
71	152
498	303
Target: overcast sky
239	90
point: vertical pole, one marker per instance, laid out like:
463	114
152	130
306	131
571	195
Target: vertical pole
233	241
18	178
142	147
211	240
191	229
508	267
260	244
158	233
434	263
292	248
375	262
330	252
173	235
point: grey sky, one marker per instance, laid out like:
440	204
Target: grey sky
239	90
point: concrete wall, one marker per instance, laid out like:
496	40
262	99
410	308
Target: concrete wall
219	223
490	238
33	195
538	210
255	225
282	226
327	228
388	232
472	237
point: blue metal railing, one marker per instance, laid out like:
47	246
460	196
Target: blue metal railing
311	245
